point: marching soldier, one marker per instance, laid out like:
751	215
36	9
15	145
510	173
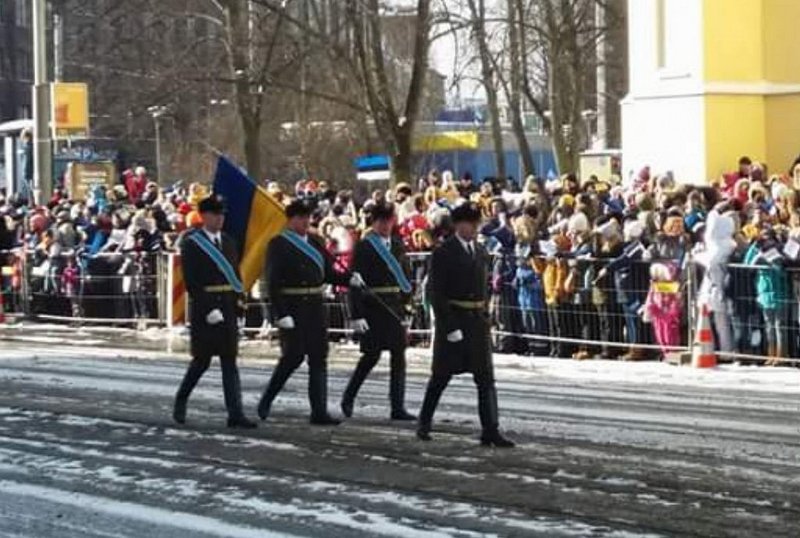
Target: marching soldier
379	309
297	268
462	340
211	272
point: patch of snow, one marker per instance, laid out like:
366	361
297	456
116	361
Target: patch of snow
137	512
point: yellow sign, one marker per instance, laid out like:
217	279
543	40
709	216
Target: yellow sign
70	109
84	177
447	141
665	287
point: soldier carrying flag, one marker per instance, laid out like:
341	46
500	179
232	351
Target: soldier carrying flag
211	271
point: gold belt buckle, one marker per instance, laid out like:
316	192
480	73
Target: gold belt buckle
219	288
386	290
468	305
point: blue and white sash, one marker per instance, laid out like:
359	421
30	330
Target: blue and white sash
391	262
305	247
201	240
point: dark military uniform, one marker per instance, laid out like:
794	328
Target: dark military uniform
459	291
294	286
209	290
383	306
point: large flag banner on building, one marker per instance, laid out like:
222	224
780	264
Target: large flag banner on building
253	217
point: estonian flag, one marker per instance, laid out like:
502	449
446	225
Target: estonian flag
373	168
253	217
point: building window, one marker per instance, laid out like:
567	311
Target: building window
24	112
661	34
5	11
22	10
674	49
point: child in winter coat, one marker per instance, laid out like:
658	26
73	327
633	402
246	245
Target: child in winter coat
663	305
70	285
771	293
530	297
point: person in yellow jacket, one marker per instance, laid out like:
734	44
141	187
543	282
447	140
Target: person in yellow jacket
554	272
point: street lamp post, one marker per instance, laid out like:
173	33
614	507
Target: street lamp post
588	117
158	112
42	145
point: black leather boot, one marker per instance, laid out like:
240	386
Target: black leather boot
279	377
433	393
424	432
318	396
241	422
196	369
231	385
495	439
179	411
397	389
360	374
487	409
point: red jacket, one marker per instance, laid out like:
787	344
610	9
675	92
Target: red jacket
134	185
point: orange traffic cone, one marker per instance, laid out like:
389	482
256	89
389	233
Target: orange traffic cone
703	355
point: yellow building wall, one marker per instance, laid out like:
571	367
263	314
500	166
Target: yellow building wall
732	40
782	117
751	75
781	58
735	126
751	41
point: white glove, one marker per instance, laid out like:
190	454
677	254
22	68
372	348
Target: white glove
357	281
215	317
455	336
286	322
360	326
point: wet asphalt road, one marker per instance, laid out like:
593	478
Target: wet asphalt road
87	449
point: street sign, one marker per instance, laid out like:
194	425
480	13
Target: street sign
82	178
70	102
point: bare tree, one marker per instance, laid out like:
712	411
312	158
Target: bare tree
480	37
566	36
394	121
514	86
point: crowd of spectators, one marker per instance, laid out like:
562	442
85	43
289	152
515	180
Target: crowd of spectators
102	247
591	268
579	266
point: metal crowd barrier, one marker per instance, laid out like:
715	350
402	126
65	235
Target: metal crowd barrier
585	317
760	317
539	306
106	288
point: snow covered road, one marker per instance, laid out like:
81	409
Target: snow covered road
607	450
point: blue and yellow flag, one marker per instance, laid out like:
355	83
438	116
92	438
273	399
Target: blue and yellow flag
253	217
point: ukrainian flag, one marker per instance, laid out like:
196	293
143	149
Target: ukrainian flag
253	217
